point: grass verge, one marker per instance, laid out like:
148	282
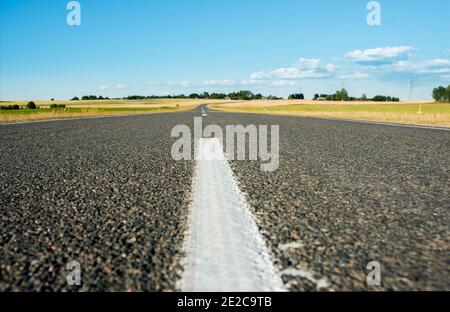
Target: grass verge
78	112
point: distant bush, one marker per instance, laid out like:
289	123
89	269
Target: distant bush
31	105
382	98
57	106
89	98
296	96
441	94
10	107
75	99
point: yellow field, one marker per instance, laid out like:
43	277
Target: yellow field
413	112
78	109
119	103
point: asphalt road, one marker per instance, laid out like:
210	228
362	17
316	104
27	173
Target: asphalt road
106	193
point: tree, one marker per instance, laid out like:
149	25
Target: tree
241	95
31	105
316	96
296	96
441	94
89	97
341	95
217	96
379	98
75	99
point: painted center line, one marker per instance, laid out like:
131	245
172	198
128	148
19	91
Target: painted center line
224	249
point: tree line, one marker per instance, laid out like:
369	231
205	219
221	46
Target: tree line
342	95
239	95
441	94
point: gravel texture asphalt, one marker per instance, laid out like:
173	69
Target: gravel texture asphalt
103	192
106	193
349	193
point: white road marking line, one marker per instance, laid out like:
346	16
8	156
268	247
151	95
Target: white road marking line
291	245
224	249
320	283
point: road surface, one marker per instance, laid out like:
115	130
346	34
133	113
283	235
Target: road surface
106	193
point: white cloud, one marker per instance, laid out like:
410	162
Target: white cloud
439	62
105	87
283	83
253	82
304	63
436	66
429	67
354	76
379	56
304	68
260	75
179	84
331	67
218	83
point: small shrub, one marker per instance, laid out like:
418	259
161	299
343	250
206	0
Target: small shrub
57	106
31	105
10	107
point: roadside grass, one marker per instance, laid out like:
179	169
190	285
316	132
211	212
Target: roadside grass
119	103
432	114
77	109
77	112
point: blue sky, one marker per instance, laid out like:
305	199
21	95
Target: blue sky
126	47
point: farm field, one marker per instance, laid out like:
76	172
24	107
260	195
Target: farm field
418	113
77	109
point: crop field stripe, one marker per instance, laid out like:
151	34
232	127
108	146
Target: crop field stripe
224	249
66	119
380	123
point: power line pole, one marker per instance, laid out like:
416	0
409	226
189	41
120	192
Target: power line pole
411	89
